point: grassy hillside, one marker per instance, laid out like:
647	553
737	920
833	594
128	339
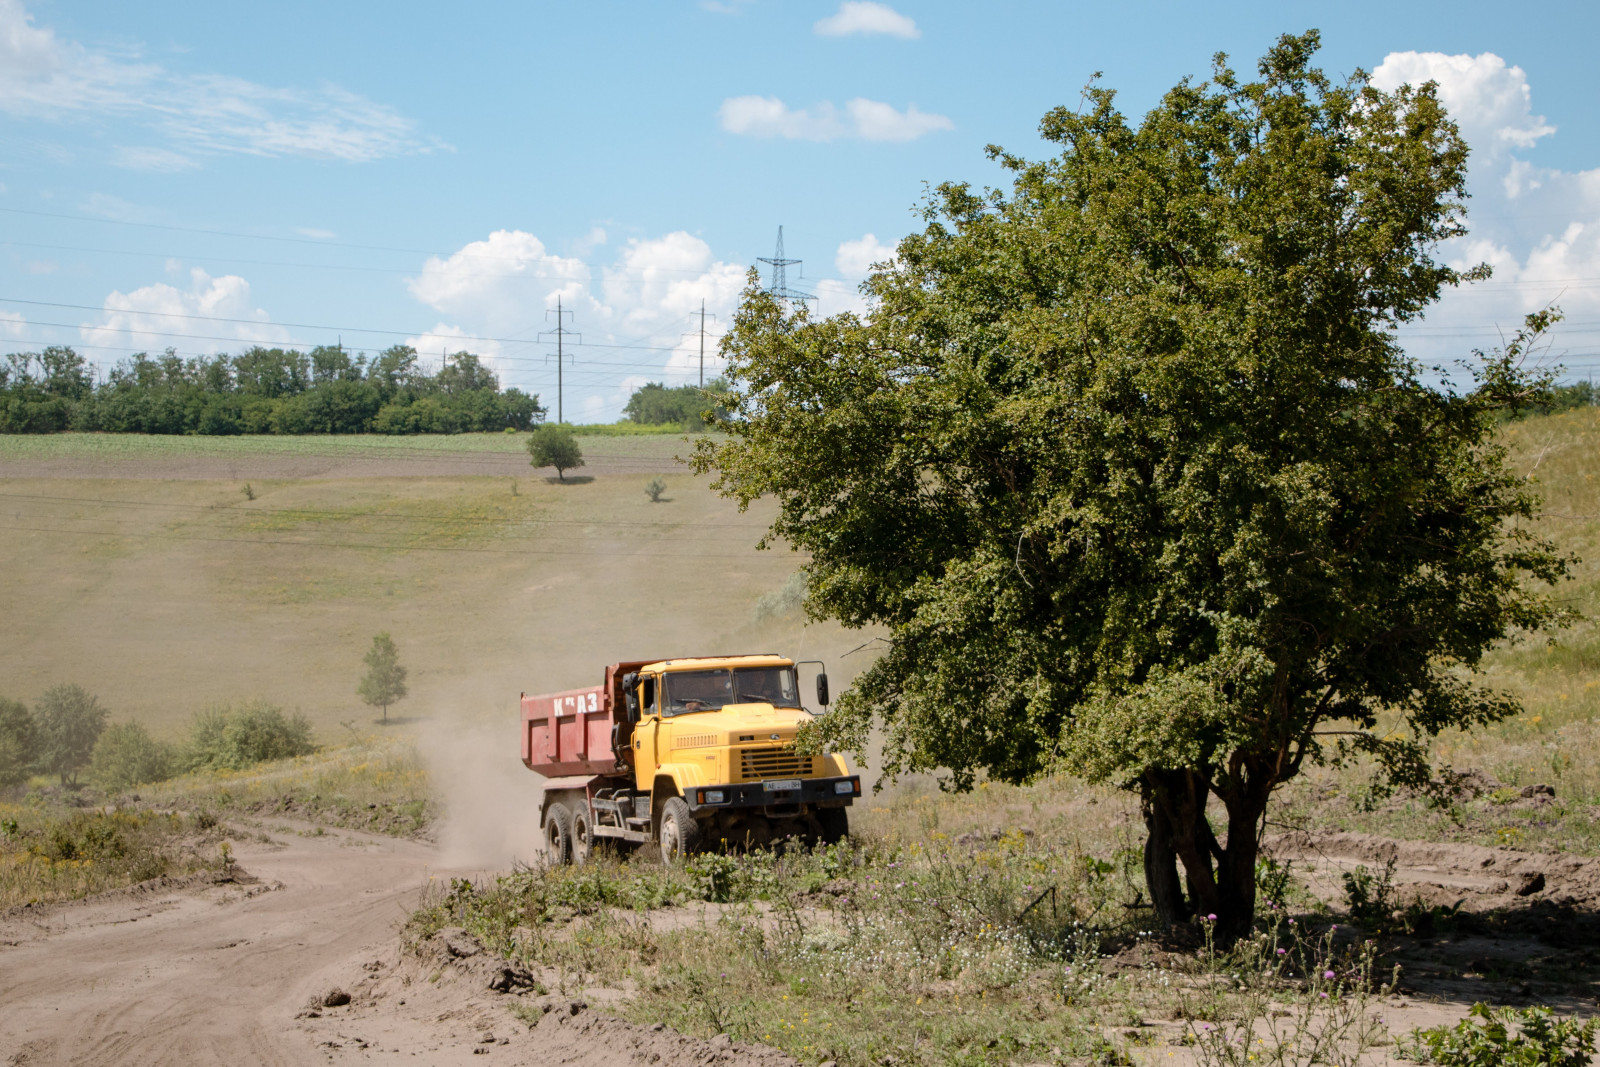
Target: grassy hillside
161	586
167	587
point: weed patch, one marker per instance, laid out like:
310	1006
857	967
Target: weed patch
989	951
48	855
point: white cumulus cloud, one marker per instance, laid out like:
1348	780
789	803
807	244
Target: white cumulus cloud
767	116
1491	101
876	121
158	315
510	277
44	77
855	258
862	119
866	17
1538	227
638	315
668	277
12	325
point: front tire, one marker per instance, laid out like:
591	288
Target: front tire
835	825
680	834
558	835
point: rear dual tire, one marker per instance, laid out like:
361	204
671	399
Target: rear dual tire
568	834
558	835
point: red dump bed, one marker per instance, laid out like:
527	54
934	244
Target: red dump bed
568	733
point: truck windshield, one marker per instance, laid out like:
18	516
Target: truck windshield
687	691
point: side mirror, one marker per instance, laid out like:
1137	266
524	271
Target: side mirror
630	696
822	689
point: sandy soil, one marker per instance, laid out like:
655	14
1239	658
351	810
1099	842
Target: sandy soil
228	973
1507	926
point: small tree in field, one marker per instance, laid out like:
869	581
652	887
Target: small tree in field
17	742
555	445
68	719
385	681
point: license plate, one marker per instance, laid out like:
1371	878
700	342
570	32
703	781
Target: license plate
781	786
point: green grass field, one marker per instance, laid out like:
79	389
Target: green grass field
164	595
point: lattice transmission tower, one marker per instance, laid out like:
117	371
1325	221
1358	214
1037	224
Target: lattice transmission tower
780	274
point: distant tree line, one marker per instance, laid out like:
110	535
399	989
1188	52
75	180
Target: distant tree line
260	391
66	732
656	404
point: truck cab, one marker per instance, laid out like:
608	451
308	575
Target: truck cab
701	754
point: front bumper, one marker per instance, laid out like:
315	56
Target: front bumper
823	792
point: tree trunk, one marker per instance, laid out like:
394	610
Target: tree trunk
1161	868
1236	869
1218	882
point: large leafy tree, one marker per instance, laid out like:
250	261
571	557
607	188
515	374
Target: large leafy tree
1132	468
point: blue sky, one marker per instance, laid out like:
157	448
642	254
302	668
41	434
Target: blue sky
209	175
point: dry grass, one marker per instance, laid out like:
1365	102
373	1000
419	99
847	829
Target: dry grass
50	854
58	845
378	785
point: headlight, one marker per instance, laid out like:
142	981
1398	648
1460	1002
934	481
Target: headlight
712	796
844	787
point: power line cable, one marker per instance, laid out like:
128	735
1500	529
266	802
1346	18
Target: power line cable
313	242
289	326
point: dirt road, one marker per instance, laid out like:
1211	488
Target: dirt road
209	976
224	974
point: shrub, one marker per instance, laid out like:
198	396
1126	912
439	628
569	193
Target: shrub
1485	1039
654	488
654	404
18	742
126	755
782	601
68	720
234	738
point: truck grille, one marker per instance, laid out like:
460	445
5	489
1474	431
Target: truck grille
758	763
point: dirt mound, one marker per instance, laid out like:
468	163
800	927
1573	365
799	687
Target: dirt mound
453	949
569	1033
150	887
1434	872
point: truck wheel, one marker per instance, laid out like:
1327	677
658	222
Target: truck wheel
582	835
835	825
680	834
558	835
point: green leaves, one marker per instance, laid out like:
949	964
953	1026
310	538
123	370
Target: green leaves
1487	1039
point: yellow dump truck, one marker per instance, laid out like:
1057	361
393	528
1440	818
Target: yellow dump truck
686	753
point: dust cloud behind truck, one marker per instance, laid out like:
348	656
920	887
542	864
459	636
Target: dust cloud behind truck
684	753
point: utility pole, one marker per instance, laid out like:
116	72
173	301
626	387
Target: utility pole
704	315
560	333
